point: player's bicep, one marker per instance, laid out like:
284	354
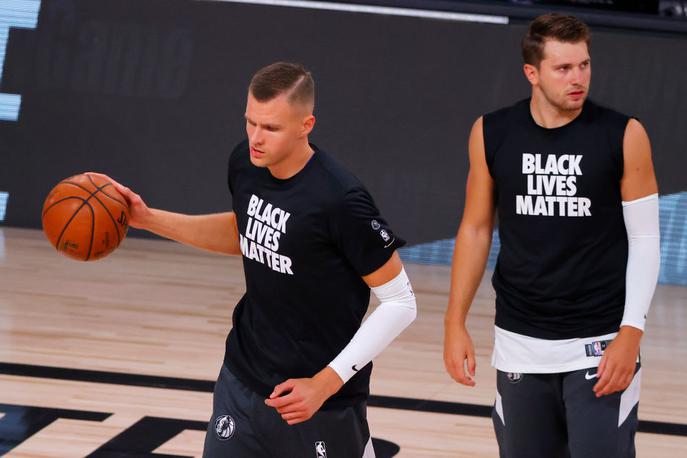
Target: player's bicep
220	232
234	246
479	190
639	179
386	273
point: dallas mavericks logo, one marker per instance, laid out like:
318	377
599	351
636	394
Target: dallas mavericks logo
225	427
514	377
320	450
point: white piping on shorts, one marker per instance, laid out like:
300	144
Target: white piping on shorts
498	407
629	398
369	450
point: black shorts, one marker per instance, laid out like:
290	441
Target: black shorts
243	426
559	416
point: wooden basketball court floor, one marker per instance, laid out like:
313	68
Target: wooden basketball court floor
118	358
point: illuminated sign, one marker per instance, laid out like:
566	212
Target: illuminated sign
3	204
14	13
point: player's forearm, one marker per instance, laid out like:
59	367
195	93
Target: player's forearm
396	311
214	232
644	258
328	381
469	261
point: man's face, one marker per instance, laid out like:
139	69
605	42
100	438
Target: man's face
564	74
275	129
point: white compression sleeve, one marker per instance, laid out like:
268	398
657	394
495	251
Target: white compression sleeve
643	260
395	312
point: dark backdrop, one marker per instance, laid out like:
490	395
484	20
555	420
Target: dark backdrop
152	92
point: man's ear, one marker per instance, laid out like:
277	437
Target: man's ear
531	73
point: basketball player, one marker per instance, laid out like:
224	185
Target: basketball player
296	372
574	188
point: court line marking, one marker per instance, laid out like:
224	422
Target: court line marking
375	9
207	386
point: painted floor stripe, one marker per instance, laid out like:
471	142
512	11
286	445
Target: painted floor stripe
386	402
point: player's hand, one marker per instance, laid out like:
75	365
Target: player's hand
298	399
459	353
617	366
138	210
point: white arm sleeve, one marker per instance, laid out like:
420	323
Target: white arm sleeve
395	312
644	256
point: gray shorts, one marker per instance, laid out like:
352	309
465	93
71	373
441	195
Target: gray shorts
558	416
243	426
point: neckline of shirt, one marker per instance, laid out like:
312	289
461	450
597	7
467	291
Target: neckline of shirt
531	119
302	172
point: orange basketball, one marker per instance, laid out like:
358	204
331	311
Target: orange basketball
85	217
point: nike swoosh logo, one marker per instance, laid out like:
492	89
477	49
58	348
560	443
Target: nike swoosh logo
589	376
354	368
390	243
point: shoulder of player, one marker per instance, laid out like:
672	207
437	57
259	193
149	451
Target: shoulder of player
499	121
336	176
239	157
597	112
610	123
497	124
240	151
505	114
341	187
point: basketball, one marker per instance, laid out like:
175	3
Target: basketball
85	217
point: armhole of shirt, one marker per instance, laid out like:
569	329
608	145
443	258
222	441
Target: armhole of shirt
487	136
231	188
617	140
495	127
231	163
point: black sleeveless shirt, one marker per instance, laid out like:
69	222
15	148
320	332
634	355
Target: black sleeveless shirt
560	272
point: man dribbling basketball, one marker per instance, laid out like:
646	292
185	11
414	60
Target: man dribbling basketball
297	365
574	187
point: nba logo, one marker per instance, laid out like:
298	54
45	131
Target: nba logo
320	450
385	235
